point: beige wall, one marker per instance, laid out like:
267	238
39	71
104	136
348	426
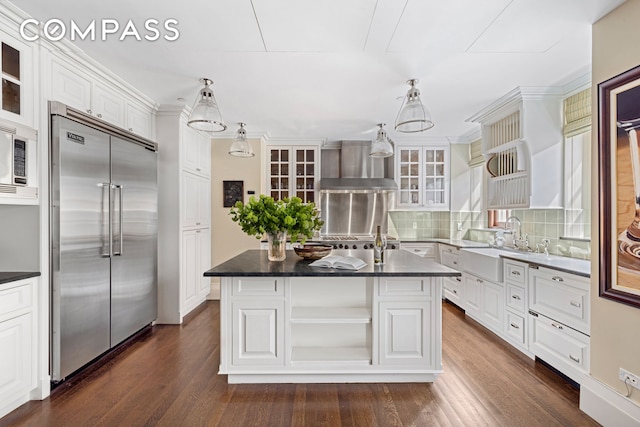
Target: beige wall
615	328
227	239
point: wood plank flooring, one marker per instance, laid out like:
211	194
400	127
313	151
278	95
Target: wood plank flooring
169	378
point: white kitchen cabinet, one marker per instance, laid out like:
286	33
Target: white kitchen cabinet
516	304
196	200
196	152
17	63
293	170
342	329
184	219
522	138
561	296
17	343
453	289
425	250
423	177
88	92
472	295
493	306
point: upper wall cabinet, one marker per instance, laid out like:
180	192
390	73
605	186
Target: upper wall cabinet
522	142
293	170
16	67
89	93
422	174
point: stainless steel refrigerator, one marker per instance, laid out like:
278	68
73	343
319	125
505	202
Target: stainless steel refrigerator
103	237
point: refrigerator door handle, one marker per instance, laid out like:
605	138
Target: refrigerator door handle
106	246
120	191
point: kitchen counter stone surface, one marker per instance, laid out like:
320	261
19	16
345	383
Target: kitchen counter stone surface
12	276
397	263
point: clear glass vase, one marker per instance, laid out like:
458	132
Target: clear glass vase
277	245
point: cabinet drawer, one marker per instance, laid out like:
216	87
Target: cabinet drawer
560	296
555	342
515	272
406	286
252	286
15	299
515	328
515	298
450	260
453	289
426	250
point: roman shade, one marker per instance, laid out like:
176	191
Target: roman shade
577	113
475	153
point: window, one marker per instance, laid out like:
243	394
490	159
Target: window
497	217
10	79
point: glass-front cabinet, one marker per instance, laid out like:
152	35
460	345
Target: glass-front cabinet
422	174
16	61
293	171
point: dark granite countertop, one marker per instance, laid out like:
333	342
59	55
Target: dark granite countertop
397	263
12	276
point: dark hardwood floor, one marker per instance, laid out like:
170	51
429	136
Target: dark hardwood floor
169	378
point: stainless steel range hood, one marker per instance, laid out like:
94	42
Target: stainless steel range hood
347	167
356	191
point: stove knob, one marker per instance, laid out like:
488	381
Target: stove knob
365	246
340	245
393	246
354	247
335	246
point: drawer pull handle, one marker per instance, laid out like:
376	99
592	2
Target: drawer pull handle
416	250
455	292
479	281
515	273
459	279
555	325
557	279
515	297
575	359
576	304
455	262
513	325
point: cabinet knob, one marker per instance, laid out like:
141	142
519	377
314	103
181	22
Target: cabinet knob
455	262
130	129
89	111
455	292
479	280
99	115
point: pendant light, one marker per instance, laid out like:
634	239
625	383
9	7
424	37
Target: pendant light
413	115
205	114
241	147
381	147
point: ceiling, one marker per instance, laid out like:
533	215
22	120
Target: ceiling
332	69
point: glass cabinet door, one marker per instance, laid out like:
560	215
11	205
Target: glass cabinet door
10	79
434	177
409	185
305	173
279	173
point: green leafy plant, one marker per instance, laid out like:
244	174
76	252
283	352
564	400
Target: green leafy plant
265	215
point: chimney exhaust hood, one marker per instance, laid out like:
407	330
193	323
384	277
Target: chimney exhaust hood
347	167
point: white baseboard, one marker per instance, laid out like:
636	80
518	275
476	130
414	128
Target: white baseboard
607	406
43	390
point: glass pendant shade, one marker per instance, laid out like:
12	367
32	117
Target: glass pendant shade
381	147
205	114
241	147
413	115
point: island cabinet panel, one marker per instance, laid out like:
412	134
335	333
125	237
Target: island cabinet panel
404	333
259	327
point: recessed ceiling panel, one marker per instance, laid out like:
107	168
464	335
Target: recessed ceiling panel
314	25
443	26
530	26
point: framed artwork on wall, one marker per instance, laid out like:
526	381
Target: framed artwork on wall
232	192
619	187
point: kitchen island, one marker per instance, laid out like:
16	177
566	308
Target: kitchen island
289	322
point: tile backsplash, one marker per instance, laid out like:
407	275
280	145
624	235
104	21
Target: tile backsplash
538	224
